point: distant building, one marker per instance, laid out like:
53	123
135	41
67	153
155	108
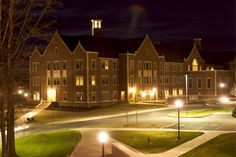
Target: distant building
86	71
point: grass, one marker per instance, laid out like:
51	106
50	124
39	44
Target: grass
160	140
199	113
58	143
47	115
221	146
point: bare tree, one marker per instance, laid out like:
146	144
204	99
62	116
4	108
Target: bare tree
20	22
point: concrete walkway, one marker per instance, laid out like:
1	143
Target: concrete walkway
185	147
90	147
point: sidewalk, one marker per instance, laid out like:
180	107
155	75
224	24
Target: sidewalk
185	147
112	115
90	147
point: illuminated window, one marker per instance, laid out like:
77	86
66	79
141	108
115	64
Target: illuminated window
93	79
180	91
194	65
174	92
79	81
104	64
36	95
166	93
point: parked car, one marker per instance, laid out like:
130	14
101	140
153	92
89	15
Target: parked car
234	112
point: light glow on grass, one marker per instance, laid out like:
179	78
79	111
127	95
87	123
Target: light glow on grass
56	144
159	141
222	146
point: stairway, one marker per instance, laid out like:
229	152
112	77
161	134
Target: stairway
40	107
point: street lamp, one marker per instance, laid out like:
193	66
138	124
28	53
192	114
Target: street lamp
103	137
222	85
178	104
224	99
20	91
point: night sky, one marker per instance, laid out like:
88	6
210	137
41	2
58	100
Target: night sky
169	21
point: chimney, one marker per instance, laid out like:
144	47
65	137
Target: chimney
198	43
96	27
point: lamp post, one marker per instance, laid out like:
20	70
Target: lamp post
26	95
186	95
178	104
154	95
103	137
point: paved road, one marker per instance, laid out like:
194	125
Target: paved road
156	119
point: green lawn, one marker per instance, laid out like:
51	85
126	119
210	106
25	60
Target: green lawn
221	146
199	113
160	141
48	115
50	144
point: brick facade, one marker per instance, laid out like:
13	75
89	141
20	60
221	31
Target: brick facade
87	76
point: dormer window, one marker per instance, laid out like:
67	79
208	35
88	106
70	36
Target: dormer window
195	65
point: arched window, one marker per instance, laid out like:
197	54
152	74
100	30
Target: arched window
194	65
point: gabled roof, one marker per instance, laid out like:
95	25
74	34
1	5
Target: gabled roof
106	47
171	52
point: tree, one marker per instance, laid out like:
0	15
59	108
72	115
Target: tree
21	21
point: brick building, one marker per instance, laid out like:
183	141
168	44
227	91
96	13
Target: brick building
86	71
